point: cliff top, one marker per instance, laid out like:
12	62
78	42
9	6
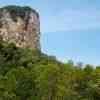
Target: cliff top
18	10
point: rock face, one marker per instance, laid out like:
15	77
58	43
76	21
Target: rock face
20	25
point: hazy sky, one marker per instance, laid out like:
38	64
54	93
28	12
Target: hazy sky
70	28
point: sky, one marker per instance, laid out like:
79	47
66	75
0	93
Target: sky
70	29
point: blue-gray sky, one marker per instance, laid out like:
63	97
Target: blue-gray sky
70	28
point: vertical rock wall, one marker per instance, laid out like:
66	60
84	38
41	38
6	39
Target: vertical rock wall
20	25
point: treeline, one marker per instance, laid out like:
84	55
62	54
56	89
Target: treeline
27	74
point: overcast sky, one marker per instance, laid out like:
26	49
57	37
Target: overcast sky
70	28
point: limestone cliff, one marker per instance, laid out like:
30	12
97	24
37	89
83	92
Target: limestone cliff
20	25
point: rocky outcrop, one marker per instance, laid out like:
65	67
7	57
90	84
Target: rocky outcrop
21	26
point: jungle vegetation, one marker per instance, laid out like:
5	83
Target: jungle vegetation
27	74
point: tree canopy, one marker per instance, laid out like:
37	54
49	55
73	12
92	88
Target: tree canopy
27	74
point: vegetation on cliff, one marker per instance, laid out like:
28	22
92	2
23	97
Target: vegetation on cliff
18	10
27	74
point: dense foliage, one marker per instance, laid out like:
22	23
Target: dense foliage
27	74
